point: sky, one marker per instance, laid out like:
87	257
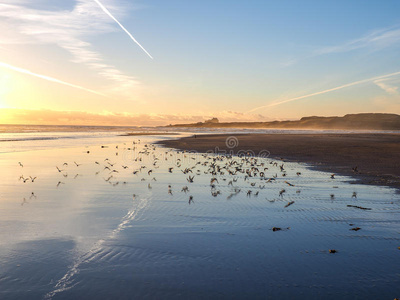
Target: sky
157	62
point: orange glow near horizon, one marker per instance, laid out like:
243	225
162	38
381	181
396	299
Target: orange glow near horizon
56	69
51	117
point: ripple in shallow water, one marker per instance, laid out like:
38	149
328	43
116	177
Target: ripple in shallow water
89	237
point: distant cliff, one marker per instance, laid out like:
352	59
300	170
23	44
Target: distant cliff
371	121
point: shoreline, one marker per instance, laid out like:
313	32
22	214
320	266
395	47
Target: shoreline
376	156
149	133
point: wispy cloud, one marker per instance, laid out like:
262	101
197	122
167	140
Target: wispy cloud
69	29
374	40
373	79
24	71
388	88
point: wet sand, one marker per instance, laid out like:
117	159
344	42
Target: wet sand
118	218
377	156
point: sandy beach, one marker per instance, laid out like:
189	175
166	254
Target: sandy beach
109	216
376	156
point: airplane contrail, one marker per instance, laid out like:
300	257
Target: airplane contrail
24	71
120	25
326	91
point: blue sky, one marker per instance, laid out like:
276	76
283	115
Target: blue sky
211	58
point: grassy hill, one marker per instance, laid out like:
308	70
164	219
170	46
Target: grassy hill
372	121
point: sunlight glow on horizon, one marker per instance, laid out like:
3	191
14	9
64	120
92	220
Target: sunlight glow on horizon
235	62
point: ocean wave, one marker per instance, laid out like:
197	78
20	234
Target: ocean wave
32	139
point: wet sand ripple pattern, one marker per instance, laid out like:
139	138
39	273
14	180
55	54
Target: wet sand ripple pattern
104	243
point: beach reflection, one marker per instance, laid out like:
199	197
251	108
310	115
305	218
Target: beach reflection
124	218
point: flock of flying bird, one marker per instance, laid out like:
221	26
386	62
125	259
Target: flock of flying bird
215	165
223	170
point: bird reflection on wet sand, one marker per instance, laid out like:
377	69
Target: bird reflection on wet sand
203	209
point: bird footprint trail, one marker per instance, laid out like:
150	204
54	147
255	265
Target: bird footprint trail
66	282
